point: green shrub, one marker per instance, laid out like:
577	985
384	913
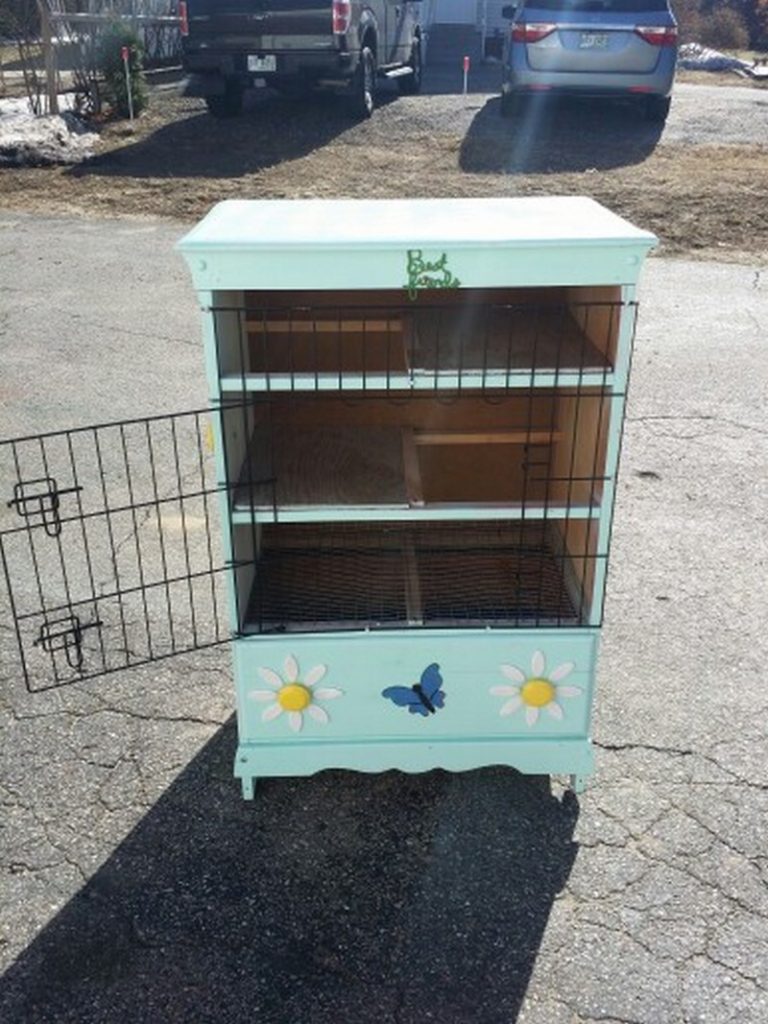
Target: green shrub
112	68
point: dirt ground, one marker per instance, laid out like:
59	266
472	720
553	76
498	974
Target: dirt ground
702	193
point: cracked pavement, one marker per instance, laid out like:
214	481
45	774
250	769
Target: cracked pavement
137	885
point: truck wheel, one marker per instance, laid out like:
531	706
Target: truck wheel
361	100
409	85
229	104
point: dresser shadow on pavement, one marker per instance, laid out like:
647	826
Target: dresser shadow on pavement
337	898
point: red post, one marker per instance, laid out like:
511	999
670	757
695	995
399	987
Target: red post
125	55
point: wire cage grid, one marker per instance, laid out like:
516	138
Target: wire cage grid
110	545
308	342
110	540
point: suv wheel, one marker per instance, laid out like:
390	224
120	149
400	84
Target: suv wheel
229	103
657	108
409	85
363	85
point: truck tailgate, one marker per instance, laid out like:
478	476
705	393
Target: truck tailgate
239	23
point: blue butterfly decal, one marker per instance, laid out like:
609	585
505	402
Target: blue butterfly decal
424	697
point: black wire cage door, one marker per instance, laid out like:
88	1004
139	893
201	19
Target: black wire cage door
110	546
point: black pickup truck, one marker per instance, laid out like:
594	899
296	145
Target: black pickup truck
298	45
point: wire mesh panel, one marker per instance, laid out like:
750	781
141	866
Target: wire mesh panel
110	546
468	339
469	574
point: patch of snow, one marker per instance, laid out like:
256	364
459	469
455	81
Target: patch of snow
22	105
702	58
30	141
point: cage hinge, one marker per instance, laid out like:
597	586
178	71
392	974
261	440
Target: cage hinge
65	634
33	498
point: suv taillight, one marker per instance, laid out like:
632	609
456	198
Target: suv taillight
341	13
658	35
532	31
183	18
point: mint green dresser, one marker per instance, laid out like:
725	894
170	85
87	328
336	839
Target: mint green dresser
419	409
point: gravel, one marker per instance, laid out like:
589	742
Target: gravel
697	182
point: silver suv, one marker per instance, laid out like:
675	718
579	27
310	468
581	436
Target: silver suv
608	48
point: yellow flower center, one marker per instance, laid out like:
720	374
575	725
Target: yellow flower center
537	693
294	697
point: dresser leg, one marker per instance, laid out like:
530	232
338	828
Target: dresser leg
248	783
578	783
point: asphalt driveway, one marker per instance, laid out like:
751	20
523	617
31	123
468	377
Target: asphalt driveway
136	884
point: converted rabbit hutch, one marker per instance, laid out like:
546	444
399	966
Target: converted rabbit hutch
411	449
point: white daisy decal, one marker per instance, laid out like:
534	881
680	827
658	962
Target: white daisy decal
536	692
294	694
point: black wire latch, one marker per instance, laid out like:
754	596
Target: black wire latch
65	634
40	498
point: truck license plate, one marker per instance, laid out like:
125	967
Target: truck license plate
268	63
593	41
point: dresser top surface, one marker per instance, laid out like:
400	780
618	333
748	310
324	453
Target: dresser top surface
388	223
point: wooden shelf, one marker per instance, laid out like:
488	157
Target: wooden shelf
389	472
324	467
439	347
509	341
406	382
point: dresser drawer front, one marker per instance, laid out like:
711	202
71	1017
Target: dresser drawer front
309	689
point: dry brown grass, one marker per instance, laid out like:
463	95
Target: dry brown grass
700	199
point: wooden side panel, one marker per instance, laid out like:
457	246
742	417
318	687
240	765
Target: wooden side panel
479	474
597	311
370	298
519	412
245	544
579	454
414	490
240	423
227	319
577	540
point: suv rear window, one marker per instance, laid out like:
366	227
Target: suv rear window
617	6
